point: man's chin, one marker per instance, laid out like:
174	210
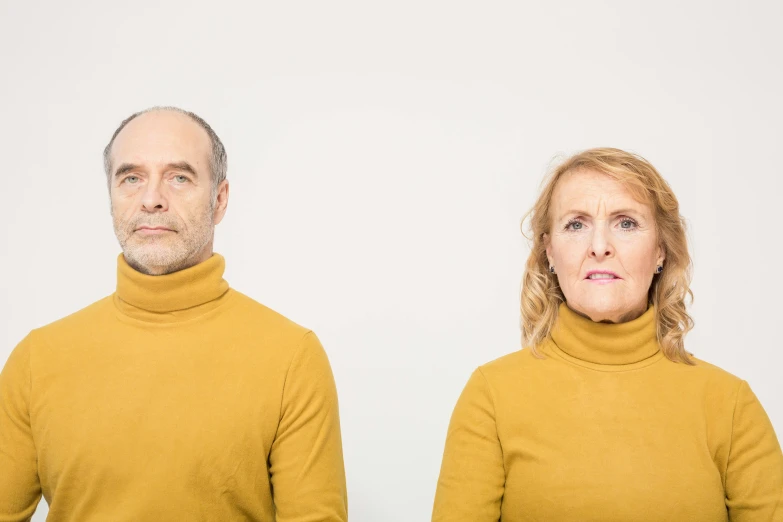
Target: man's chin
153	259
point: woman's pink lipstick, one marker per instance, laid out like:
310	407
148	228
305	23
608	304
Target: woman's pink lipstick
602	277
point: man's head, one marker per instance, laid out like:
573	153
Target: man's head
166	171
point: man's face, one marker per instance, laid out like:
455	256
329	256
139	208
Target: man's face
161	199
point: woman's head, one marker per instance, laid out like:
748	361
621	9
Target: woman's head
608	239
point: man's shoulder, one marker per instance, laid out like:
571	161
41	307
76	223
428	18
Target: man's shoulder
100	310
71	329
252	315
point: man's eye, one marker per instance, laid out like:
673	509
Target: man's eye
181	179
131	179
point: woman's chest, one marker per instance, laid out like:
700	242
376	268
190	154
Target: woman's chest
615	455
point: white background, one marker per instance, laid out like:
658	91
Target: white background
381	156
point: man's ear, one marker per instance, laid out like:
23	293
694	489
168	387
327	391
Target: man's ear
221	202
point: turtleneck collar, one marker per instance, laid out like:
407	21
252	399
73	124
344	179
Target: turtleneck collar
606	343
174	296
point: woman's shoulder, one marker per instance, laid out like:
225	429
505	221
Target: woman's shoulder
514	365
705	370
710	378
523	363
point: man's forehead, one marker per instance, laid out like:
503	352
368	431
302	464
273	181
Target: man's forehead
159	134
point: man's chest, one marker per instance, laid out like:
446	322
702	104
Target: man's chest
192	418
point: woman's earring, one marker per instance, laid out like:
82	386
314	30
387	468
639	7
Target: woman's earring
552	269
659	269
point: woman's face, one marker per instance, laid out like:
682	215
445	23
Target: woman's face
603	245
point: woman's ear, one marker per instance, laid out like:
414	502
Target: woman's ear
546	239
661	256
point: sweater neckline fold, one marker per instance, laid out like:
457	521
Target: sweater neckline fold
171	297
606	344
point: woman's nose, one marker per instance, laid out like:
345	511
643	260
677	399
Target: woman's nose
600	246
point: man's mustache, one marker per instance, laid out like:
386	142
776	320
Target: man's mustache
152	222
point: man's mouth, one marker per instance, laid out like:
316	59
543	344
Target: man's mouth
150	231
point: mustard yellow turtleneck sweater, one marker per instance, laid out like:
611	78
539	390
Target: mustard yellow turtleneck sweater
175	398
605	428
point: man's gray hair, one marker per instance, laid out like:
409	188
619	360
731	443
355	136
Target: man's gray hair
218	161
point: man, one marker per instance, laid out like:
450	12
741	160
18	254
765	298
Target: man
176	397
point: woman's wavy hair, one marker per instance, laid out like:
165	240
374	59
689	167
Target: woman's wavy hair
541	294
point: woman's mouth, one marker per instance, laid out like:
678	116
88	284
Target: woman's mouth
602	277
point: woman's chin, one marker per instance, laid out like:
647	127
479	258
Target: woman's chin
599	309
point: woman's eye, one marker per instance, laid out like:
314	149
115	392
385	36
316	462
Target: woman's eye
627	224
574	225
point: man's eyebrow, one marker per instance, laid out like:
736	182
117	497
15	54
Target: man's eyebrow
125	167
585	213
183	166
180	165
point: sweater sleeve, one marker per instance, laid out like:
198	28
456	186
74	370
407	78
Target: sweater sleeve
754	473
306	459
472	476
20	489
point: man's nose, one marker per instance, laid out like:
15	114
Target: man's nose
154	200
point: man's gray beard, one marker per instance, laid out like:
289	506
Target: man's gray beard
183	252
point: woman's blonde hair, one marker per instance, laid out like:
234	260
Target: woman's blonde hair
541	294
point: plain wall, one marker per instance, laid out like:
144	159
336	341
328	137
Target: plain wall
381	156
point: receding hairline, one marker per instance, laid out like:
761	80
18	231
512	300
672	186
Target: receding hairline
167	109
217	158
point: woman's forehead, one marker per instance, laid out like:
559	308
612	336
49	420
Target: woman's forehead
592	192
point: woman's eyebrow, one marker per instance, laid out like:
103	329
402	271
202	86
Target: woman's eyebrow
585	213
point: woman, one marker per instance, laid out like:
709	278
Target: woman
604	416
